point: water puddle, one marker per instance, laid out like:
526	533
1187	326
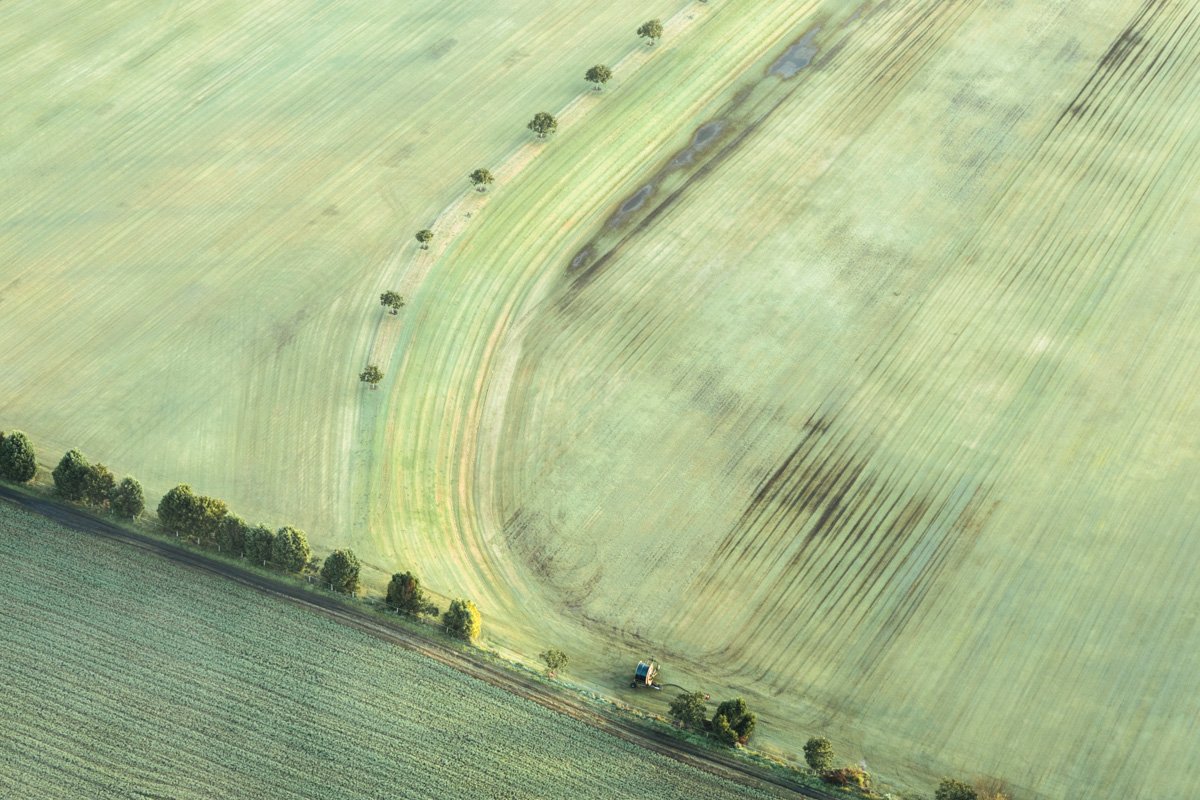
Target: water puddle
797	57
582	258
636	200
700	140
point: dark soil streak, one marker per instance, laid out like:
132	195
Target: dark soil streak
1122	54
963	533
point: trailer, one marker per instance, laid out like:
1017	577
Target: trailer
644	675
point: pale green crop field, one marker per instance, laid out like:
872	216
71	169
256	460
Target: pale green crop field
127	676
203	200
862	383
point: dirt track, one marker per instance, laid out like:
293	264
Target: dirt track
501	677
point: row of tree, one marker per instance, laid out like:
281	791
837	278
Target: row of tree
405	596
210	523
208	520
83	482
543	125
731	724
821	758
74	477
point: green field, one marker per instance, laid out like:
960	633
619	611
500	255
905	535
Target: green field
127	676
840	354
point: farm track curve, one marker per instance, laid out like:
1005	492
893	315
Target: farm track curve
500	677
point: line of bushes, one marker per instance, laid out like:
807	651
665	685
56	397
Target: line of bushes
731	724
821	758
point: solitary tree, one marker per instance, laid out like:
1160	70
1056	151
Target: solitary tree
99	485
950	789
259	543
598	76
462	620
371	376
425	236
543	124
481	179
554	659
290	551
340	571
404	593
71	475
231	535
127	499
688	709
394	301
818	752
732	717
17	460
651	31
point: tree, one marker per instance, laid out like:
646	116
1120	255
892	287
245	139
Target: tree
231	535
543	124
372	375
340	571
177	508
99	485
127	499
651	31
404	593
481	179
18	462
394	301
290	551
554	659
71	475
462	620
183	511
598	76
733	714
206	516
424	236
688	709
950	789
724	733
259	542
818	753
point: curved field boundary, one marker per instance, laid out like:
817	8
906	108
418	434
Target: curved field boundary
455	359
